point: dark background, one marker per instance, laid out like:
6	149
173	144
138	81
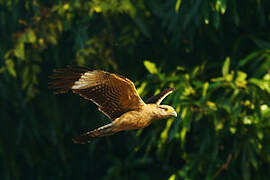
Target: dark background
215	52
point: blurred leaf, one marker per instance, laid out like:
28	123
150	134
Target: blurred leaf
192	13
30	36
2	69
52	39
223	6
151	67
261	43
11	67
245	166
205	88
248	58
264	85
226	67
241	79
211	105
216	20
25	76
172	177
19	50
143	26
141	88
177	5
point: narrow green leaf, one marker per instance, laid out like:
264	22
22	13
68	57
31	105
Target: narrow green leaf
249	58
223	7
205	88
151	67
177	5
183	136
19	50
226	67
218	4
141	88
25	77
10	67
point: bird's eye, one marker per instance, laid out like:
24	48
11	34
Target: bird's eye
166	109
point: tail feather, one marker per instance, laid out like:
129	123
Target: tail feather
92	135
63	79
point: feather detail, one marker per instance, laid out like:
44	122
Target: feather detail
157	99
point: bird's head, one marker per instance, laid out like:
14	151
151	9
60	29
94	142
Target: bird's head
166	111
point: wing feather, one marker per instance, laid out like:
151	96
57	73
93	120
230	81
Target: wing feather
157	99
112	93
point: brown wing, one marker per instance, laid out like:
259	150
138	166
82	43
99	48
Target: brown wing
113	94
157	99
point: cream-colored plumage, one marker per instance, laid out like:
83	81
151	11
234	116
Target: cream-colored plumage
116	97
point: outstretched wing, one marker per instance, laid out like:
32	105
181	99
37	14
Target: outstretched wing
157	99
113	94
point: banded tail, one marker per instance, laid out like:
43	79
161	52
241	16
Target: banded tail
92	135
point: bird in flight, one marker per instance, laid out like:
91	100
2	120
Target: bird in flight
115	96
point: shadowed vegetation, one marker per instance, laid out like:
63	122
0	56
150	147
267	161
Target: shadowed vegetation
215	52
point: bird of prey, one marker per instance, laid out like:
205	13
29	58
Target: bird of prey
115	96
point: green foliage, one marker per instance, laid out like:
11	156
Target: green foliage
224	120
215	52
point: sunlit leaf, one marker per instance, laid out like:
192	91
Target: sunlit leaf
218	4
180	68
211	105
226	67
264	85
177	5
183	136
164	133
66	6
172	177
151	67
233	130
11	67
223	7
30	36
205	88
141	88
241	79
19	50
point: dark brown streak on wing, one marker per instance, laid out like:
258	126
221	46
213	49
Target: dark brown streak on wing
159	97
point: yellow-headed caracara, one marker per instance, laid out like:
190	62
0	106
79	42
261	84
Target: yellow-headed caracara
115	96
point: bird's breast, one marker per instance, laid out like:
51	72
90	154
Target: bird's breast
132	120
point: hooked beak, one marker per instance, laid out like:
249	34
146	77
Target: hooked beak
174	114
